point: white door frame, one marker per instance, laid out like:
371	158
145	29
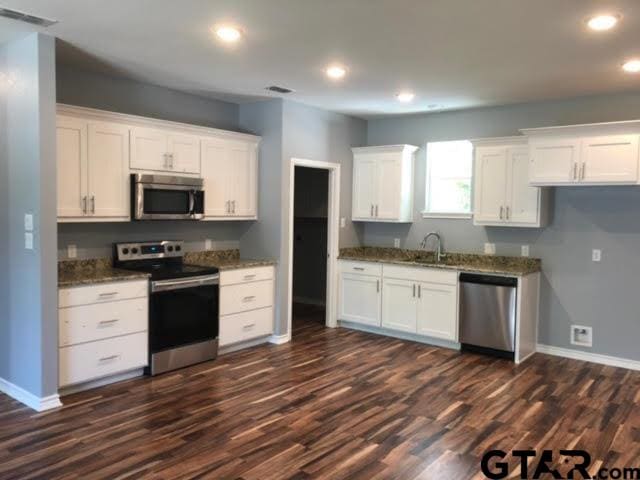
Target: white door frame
333	230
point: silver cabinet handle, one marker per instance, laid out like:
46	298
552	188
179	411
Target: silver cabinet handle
166	160
376	210
378	286
248	326
84	204
108	322
250	277
234	206
575	171
414	290
250	298
228	206
361	269
582	171
419	291
110	357
508	212
93	204
372	209
501	211
107	294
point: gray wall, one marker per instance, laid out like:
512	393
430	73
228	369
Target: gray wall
95	90
574	290
4	223
29	328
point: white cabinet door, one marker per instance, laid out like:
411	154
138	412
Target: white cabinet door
522	199
389	181
365	183
399	299
438	311
243	163
610	159
108	154
554	161
71	157
490	185
216	174
149	149
184	151
359	299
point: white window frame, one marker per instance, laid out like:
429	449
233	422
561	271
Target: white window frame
448	215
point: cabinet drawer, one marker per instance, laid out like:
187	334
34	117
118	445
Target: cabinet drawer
244	275
90	361
87	323
107	292
246	296
363	268
419	274
246	326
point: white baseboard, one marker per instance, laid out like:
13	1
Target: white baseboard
279	339
401	335
589	357
39	404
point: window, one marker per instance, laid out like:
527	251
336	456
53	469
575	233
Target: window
448	191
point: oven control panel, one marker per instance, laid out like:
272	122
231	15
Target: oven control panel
149	250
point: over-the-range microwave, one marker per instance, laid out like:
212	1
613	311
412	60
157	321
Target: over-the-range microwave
164	197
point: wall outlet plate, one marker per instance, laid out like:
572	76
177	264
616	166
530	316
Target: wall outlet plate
28	241
72	251
396	242
490	248
343	222
28	222
581	336
596	255
524	250
208	244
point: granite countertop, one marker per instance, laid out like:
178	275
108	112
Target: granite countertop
224	260
467	262
73	273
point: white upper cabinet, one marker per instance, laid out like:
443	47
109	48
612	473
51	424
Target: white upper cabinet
596	154
92	160
163	151
383	183
502	194
230	173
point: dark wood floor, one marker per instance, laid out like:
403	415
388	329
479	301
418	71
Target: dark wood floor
332	404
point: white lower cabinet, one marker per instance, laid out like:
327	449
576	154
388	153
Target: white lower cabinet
246	304
103	331
414	300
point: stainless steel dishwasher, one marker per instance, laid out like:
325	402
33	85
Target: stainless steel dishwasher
488	314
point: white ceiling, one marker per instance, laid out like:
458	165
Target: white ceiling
453	53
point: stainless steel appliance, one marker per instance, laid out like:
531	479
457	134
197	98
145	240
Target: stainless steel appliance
163	197
488	314
183	304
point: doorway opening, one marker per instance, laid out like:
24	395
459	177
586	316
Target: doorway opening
310	230
314	210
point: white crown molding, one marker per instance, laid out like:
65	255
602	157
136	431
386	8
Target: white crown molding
589	357
513	140
39	404
385	148
605	128
136	120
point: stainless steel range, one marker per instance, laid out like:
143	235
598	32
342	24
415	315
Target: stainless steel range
183	304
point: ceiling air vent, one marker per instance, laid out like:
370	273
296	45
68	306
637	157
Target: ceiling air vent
277	89
25	17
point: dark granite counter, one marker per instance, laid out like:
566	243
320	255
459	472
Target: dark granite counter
225	260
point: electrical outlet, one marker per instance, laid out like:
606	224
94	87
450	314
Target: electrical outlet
28	222
596	255
524	250
490	248
208	244
72	251
28	241
343	222
396	242
581	336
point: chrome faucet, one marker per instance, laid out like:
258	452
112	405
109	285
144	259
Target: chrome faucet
439	249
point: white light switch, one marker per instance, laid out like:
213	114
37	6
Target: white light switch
72	251
596	255
343	222
490	248
28	240
524	250
396	242
28	222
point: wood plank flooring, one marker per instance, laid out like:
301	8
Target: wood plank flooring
333	404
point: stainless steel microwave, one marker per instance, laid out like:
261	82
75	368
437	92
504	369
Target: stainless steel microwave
163	197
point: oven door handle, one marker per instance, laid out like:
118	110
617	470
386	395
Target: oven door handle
166	285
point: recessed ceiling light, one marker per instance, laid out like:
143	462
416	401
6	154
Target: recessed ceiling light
632	66
405	97
228	33
600	23
336	72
